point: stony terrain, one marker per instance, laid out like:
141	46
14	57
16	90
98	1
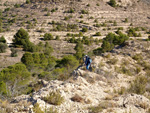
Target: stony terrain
108	88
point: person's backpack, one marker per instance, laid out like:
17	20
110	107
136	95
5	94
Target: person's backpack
90	60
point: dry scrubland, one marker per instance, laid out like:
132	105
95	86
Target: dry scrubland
43	41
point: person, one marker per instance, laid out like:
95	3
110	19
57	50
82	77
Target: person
87	60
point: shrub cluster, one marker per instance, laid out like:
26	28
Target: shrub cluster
132	32
112	3
79	50
48	36
110	41
70	11
13	78
85	40
64	27
21	39
54	98
138	86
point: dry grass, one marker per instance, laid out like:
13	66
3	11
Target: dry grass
54	98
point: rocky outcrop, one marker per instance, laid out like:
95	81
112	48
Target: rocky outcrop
80	94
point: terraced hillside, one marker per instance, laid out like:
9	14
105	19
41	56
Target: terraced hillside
40	18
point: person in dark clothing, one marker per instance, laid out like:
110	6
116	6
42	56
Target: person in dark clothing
87	60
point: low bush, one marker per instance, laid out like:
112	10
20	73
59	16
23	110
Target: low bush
13	52
3	47
2	39
48	36
84	12
16	77
138	86
54	98
37	109
84	29
112	3
97	34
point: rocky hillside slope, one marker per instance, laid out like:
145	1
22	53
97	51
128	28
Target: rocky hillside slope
116	84
120	79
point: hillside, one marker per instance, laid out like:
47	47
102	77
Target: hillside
42	42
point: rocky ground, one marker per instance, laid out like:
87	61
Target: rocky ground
106	88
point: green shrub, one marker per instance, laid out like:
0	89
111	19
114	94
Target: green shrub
27	1
37	109
69	62
17	5
21	39
48	14
2	39
81	16
84	29
111	40
137	57
102	105
36	58
54	10
48	49
3	89
97	34
27	59
3	47
84	12
46	9
57	38
88	5
67	17
13	52
48	36
16	77
70	10
115	23
7	9
79	50
132	33
126	20
54	98
44	75
112	3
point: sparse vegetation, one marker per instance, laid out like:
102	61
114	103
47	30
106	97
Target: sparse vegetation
138	86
